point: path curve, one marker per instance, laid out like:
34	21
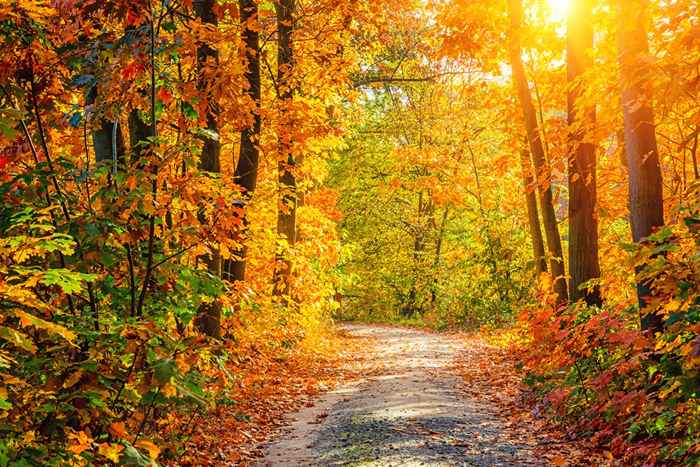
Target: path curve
412	414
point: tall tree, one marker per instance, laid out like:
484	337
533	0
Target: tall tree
209	319
286	214
539	159
583	221
246	174
645	180
533	214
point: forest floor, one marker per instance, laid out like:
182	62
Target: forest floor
431	399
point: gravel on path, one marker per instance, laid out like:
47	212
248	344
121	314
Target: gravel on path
411	414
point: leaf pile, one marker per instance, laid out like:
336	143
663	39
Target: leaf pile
269	386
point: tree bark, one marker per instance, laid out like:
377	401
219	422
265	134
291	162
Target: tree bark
209	316
583	220
246	173
645	180
139	132
538	155
287	203
106	146
533	214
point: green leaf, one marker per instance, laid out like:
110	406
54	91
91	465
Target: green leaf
662	235
192	391
4	404
9	132
131	456
164	370
96	399
675	317
189	111
70	282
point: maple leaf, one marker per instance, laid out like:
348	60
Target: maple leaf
79	442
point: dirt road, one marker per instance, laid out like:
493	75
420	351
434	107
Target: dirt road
413	413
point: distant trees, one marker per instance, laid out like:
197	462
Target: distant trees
533	216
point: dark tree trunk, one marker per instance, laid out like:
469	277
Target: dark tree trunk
583	221
246	174
209	317
286	214
539	159
645	182
139	132
106	146
533	214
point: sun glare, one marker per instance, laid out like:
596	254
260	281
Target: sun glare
559	9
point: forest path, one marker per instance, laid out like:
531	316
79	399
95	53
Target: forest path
413	412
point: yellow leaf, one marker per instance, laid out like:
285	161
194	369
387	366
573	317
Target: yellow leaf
169	390
17	338
111	451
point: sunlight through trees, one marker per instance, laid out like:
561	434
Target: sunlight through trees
194	189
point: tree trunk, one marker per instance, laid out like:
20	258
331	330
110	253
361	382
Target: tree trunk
645	182
209	316
246	174
538	155
286	214
533	214
107	147
437	259
583	221
411	307
139	132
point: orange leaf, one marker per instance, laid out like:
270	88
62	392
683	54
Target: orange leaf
118	430
80	442
152	449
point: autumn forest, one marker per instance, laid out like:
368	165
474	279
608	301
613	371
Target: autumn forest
349	232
